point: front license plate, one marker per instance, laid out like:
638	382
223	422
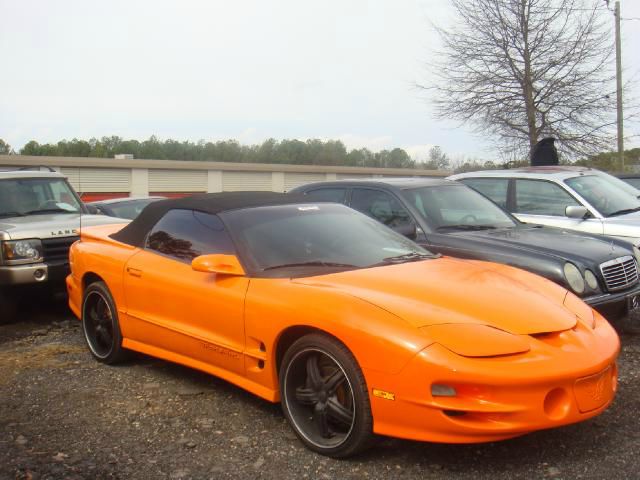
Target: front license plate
633	302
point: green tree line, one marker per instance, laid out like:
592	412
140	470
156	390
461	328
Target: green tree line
309	152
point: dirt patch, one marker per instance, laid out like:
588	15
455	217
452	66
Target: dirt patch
64	415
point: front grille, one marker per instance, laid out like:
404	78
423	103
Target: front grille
620	273
57	248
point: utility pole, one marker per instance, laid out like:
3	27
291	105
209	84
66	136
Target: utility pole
619	87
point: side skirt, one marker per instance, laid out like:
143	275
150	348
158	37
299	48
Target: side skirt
252	387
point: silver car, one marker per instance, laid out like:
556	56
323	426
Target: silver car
575	198
40	215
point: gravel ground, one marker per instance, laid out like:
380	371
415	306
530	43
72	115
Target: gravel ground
63	415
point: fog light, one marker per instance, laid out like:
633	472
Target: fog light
557	404
39	274
439	390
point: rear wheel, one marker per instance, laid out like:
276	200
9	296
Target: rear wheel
100	324
324	397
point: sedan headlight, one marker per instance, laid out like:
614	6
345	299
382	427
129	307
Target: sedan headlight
574	277
636	253
591	279
22	251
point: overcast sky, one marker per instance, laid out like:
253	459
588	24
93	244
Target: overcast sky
242	69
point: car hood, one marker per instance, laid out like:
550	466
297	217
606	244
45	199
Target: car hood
622	226
50	225
552	242
448	290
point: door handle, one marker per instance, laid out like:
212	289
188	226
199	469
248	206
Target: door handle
134	272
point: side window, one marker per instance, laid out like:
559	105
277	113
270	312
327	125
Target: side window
381	206
186	234
539	197
337	195
494	188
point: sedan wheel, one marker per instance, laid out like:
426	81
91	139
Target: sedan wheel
100	324
324	396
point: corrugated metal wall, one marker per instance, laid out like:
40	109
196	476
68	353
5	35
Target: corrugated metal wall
177	180
238	181
98	179
292	180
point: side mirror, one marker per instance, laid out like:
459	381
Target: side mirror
408	230
574	211
218	263
92	209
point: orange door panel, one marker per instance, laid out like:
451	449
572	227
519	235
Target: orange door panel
195	314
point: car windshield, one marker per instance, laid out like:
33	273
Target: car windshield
604	196
304	238
128	209
456	207
32	196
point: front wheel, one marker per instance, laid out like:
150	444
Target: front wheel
324	397
100	324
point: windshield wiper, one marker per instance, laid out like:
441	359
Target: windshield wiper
623	211
467	227
12	214
312	263
50	210
405	257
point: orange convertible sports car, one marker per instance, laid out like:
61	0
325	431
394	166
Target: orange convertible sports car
353	328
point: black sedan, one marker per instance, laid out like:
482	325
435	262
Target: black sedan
126	207
453	219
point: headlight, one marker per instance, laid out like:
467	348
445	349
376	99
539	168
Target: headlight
22	251
591	279
574	277
636	253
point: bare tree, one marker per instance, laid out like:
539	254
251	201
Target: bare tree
521	70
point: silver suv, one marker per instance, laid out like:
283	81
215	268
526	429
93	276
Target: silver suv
39	220
575	198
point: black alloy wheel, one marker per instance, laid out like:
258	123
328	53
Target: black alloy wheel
324	396
100	324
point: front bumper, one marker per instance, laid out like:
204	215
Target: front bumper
35	273
567	377
612	302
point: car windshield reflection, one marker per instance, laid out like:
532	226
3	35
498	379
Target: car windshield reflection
29	196
455	207
322	236
603	195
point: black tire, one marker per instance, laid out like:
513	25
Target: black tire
100	324
324	396
8	308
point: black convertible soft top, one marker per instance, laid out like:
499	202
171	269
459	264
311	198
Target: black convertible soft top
135	232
